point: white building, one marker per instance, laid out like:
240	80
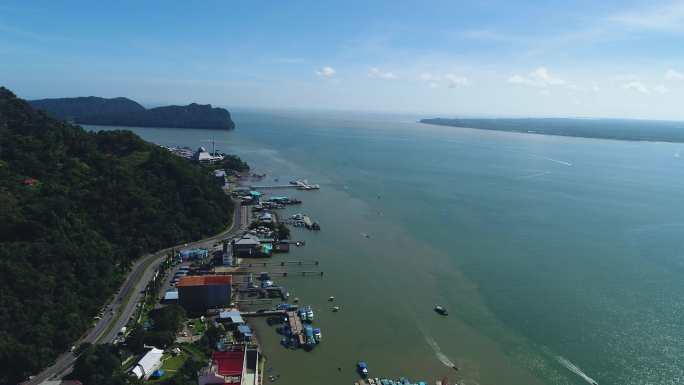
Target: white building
204	156
150	362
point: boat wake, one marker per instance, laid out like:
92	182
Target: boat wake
438	352
573	368
564	163
535	175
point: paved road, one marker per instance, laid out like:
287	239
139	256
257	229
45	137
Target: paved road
122	307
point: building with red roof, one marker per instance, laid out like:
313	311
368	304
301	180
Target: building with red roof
29	182
225	369
238	365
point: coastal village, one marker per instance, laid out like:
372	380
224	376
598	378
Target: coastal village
225	285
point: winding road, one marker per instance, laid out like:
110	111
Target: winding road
122	307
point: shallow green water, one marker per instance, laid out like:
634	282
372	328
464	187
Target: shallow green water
549	252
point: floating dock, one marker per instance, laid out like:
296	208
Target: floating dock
296	326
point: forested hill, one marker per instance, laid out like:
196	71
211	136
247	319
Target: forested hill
76	208
126	112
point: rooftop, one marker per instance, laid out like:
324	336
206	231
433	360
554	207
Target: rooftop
248	239
171	295
147	364
229	363
233	315
205	280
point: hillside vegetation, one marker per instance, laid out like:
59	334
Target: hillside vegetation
126	112
76	208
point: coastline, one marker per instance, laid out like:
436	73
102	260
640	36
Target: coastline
566	134
466	188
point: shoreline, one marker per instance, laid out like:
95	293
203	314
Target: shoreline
565	135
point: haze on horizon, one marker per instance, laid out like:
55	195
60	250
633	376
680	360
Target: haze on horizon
551	58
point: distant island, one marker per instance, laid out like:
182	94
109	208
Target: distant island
127	112
619	129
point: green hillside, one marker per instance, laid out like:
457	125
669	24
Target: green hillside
76	208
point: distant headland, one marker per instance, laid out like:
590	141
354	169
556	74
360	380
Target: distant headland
618	129
127	112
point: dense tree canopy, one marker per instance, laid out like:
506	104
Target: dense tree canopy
76	208
101	365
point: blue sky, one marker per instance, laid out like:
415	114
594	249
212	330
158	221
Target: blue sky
504	58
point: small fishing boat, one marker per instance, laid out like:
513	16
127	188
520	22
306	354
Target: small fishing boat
318	335
362	367
336	308
331	298
309	314
441	310
310	340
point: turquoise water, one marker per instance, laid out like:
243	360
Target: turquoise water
551	253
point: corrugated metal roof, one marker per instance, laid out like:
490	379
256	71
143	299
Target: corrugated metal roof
229	363
148	363
233	315
205	280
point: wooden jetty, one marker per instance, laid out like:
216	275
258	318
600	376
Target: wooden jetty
254	301
268	292
262	313
281	263
273	186
296	326
286	273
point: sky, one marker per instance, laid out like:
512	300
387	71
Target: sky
606	58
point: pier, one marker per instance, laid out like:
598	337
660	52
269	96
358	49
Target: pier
262	313
274	186
282	263
295	325
267	292
306	273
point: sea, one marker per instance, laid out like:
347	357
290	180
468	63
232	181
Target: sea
560	260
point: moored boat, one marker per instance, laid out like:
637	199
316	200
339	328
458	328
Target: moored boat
362	368
441	310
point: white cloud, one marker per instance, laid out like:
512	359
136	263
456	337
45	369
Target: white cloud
626	77
540	77
426	76
673	75
290	60
326	72
517	79
636	86
595	88
376	73
448	80
661	89
454	81
668	17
